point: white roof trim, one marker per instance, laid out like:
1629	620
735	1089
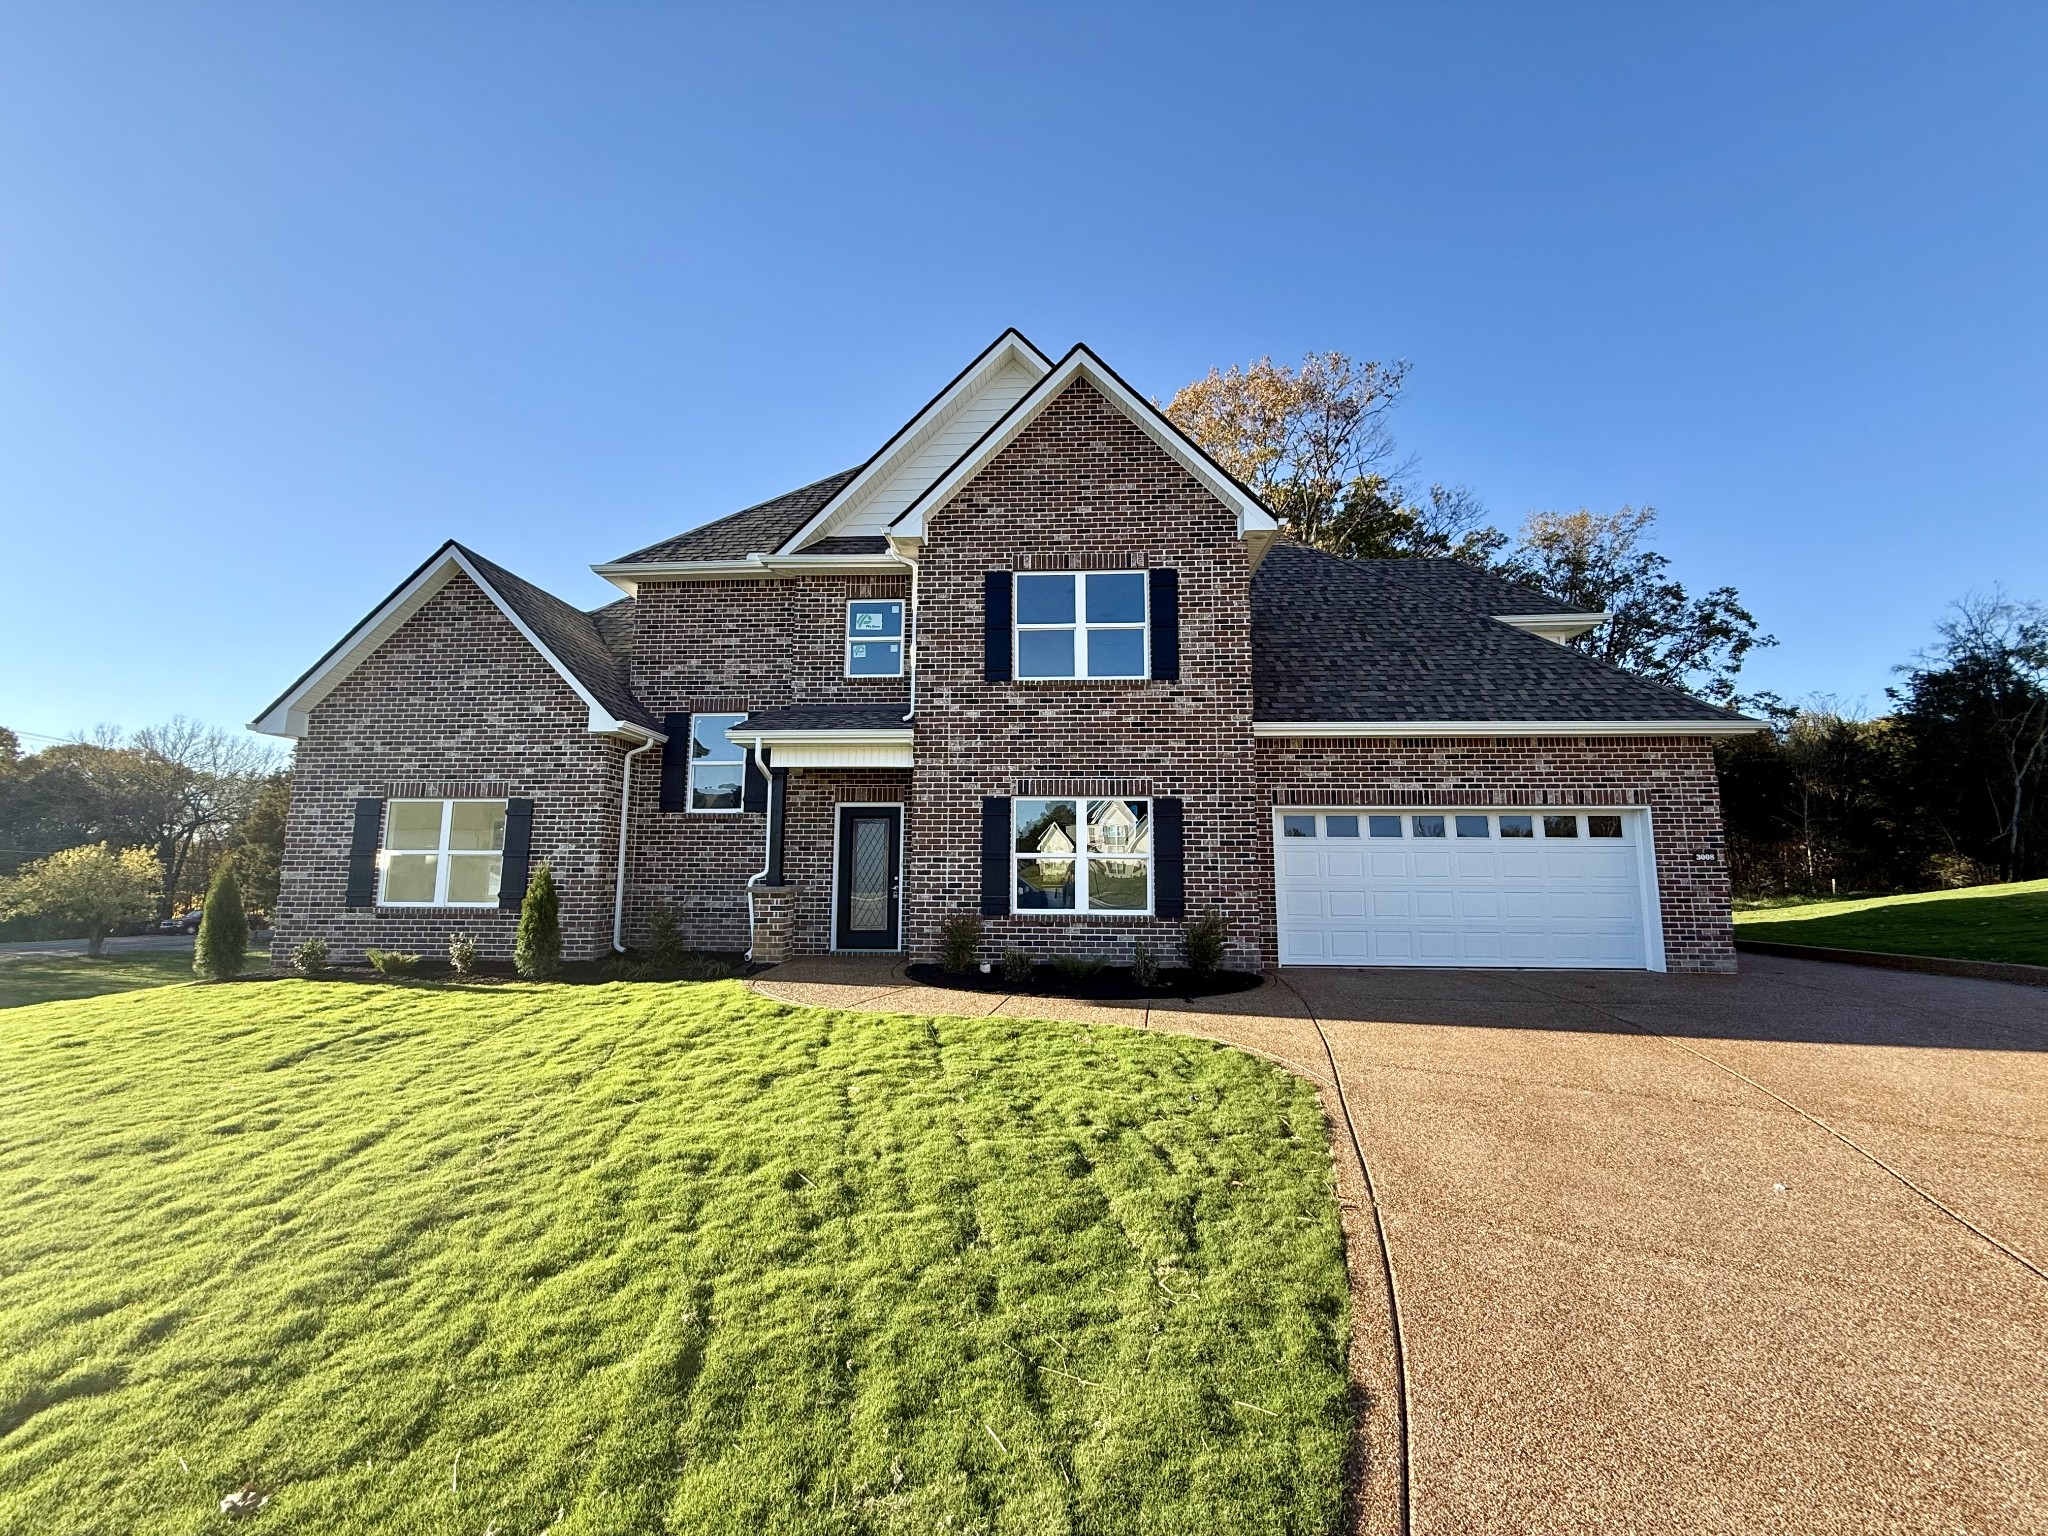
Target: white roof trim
1011	347
1252	519
1555	626
290	715
1339	729
628	575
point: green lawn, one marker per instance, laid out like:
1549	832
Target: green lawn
640	1258
1985	922
46	978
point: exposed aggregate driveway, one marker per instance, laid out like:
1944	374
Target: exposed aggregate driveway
1674	1254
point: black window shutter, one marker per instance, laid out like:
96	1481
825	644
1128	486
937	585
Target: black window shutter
1166	626
995	608
995	856
362	854
518	854
675	763
754	796
1169	884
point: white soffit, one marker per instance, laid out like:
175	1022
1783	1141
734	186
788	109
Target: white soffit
289	716
979	396
1254	522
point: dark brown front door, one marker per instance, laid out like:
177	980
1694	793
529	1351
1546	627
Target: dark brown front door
868	908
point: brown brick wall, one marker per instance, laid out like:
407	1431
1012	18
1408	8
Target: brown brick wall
1082	488
741	646
455	704
1671	775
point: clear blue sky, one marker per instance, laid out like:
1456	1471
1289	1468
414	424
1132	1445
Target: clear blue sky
291	293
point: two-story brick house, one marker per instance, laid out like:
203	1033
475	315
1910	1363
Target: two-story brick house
1039	658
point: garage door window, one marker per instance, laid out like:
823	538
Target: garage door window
1518	826
1473	826
1469	825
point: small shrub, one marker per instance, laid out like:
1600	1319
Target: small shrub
310	958
1078	967
1144	965
960	943
1016	967
223	941
388	962
666	946
1202	942
462	954
537	952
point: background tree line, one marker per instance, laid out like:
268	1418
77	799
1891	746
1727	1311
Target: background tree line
189	797
1945	789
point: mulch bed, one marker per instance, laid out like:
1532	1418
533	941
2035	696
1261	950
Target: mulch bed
1105	986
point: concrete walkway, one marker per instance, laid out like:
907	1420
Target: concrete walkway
1764	1253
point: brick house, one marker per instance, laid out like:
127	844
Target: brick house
1040	659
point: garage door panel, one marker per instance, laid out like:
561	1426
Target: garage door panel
1488	898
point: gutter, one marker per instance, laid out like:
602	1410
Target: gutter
1350	729
625	821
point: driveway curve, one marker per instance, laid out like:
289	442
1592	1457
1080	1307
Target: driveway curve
1674	1254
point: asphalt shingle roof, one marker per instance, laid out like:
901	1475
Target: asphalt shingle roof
760	529
1417	640
572	637
832	717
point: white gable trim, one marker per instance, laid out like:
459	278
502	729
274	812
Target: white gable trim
290	715
1254	523
1011	349
1554	626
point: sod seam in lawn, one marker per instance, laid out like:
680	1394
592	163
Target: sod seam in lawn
655	1258
1986	922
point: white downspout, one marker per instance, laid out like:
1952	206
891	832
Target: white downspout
767	844
910	632
625	820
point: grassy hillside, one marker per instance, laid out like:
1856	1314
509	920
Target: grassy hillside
46	978
644	1258
1985	922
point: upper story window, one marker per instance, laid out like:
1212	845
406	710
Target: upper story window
442	853
874	638
1081	624
718	764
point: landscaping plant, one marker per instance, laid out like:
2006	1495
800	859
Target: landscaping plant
223	940
1202	943
960	943
310	958
1078	967
1144	965
462	956
1017	967
387	962
667	949
537	952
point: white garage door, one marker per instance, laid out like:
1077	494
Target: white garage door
1472	888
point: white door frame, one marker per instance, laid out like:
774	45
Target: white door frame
1646	866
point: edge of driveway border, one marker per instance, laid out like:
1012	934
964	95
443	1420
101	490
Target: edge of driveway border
1932	965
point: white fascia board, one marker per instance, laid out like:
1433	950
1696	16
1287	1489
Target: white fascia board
1555	626
1010	347
1341	729
846	735
290	715
1080	363
629	575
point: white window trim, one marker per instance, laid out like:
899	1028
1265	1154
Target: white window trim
740	757
899	637
1080	908
444	856
1080	627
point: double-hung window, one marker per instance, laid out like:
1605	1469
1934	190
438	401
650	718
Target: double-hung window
442	853
874	638
1082	856
718	764
1081	624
